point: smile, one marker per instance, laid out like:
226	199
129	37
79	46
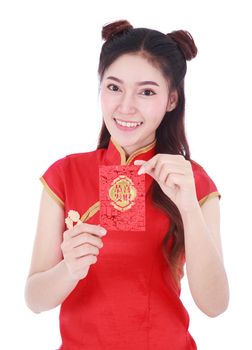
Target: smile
127	125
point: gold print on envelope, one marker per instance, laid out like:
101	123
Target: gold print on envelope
122	193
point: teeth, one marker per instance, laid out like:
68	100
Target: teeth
129	125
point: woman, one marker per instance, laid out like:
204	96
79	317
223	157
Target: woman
129	298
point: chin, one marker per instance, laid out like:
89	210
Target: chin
124	141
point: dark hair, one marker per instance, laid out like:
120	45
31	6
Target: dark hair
169	53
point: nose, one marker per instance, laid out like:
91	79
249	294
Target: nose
127	104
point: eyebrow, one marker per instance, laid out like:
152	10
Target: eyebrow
140	83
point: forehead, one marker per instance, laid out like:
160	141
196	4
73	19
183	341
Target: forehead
134	68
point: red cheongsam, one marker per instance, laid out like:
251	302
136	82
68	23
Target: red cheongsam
128	300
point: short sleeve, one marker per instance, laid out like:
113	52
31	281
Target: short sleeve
53	181
205	186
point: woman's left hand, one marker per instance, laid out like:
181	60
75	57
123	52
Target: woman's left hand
174	175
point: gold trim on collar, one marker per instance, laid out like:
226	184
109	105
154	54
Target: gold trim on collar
134	154
91	212
210	195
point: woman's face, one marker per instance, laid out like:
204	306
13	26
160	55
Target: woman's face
134	91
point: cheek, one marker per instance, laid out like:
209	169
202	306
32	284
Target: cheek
156	110
107	103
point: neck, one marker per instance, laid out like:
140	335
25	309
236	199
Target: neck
128	150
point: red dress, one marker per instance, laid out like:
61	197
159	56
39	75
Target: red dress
128	300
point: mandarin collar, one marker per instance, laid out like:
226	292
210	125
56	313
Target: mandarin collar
115	154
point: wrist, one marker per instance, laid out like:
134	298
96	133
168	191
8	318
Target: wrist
69	277
192	212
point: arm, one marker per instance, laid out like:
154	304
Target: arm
204	261
60	259
48	282
207	278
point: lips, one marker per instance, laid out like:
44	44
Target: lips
127	128
128	121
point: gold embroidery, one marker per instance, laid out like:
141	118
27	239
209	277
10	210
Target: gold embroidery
122	193
69	223
91	212
72	216
141	150
134	154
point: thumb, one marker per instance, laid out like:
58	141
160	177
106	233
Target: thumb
139	162
142	169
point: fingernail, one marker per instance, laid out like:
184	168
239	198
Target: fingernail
103	230
141	171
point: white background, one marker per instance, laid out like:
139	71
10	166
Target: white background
49	108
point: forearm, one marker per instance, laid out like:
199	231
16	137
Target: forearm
204	265
46	290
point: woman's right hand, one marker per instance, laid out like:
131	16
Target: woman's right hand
80	248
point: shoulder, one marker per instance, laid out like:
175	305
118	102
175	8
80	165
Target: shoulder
196	166
77	159
204	183
199	171
73	168
75	164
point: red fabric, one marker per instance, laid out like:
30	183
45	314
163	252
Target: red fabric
203	183
128	300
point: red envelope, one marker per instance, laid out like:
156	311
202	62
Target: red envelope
122	198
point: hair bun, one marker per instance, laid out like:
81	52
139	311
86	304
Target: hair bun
114	28
185	43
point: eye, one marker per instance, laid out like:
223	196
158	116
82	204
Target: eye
114	87
149	92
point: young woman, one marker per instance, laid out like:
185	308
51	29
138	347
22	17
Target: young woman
130	297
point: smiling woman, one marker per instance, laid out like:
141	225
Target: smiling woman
133	99
130	297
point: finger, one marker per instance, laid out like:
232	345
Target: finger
139	162
81	266
175	180
165	171
169	183
85	249
147	166
162	173
141	169
86	238
89	228
84	261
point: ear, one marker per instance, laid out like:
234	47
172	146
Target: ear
172	101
